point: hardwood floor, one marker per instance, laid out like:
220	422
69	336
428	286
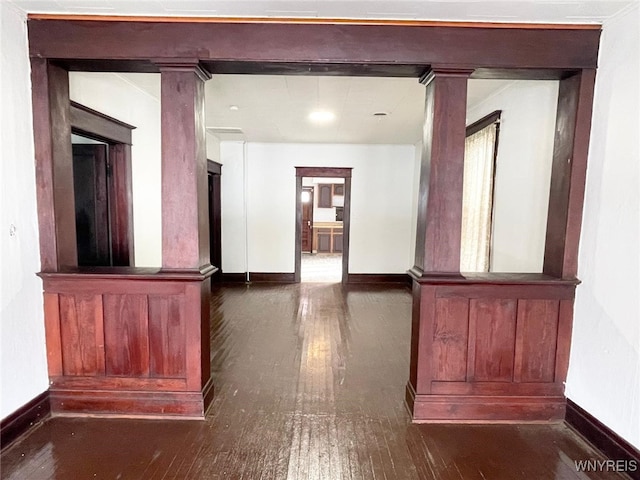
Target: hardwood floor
310	384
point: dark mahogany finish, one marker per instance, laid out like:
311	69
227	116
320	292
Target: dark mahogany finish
54	165
185	222
323	43
490	349
311	393
569	170
126	341
25	419
442	166
603	438
516	353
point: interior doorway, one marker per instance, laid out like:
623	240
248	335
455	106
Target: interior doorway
102	184
214	172
91	198
323	203
322	229
307	200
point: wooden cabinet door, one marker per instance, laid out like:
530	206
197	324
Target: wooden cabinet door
337	242
324	240
325	194
338	189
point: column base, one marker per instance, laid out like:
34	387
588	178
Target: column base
132	403
483	409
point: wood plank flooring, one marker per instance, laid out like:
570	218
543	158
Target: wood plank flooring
310	384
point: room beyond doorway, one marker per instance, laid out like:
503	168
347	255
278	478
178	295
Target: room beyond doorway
322	230
323	205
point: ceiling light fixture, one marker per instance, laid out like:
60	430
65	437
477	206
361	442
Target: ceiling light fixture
234	108
322	116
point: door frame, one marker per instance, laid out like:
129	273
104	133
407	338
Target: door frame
214	198
118	136
327	172
312	190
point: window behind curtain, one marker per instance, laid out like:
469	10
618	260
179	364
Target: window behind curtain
477	194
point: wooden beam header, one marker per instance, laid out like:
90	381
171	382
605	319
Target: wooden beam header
267	41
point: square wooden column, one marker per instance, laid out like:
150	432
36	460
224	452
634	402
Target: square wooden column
568	174
185	224
441	172
185	217
439	210
54	165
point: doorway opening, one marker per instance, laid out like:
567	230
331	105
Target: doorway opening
102	186
214	171
323	199
322	229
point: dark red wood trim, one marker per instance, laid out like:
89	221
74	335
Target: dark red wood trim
359	278
491	278
54	168
297	263
234	277
473	46
338	172
612	446
484	122
271	277
129	273
145	404
568	174
96	125
23	420
315	20
214	167
346	229
441	172
487	409
121	205
185	219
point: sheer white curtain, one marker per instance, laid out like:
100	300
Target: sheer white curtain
477	200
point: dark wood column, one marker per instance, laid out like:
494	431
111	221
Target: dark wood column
185	225
439	205
568	174
185	216
440	197
54	165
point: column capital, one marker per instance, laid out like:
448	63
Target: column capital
444	71
182	65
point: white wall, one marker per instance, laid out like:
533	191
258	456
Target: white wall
23	363
604	371
234	215
213	147
523	172
113	95
381	204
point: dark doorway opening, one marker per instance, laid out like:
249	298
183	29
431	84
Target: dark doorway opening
91	195
102	183
214	172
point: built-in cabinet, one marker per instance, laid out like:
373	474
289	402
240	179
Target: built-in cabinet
327	237
327	192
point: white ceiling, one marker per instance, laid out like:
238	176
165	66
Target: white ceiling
552	11
275	108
